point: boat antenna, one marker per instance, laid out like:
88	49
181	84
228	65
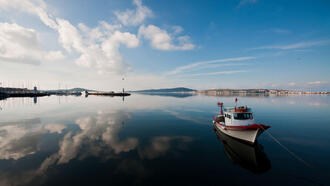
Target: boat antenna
220	104
123	84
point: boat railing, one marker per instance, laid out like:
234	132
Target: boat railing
238	109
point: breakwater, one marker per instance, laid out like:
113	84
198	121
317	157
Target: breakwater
108	93
6	92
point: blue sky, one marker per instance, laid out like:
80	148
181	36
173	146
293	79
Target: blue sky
158	44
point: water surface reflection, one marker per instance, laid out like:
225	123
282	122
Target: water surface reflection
250	157
88	136
154	140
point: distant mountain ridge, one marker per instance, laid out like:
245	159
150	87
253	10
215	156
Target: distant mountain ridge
169	90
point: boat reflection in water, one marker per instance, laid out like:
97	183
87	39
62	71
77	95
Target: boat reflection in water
251	157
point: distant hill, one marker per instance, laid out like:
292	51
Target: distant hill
178	89
169	94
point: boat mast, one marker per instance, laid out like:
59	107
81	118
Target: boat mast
220	104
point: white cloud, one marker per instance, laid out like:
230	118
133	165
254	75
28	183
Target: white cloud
216	73
214	66
292	84
306	44
35	7
274	85
177	29
54	56
22	45
105	57
109	27
317	83
97	47
134	17
203	63
69	37
126	38
162	40
99	33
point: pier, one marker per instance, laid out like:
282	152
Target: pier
108	93
6	92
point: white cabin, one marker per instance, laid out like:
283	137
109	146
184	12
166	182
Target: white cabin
238	116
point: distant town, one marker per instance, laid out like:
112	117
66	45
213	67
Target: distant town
242	92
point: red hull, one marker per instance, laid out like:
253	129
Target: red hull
244	127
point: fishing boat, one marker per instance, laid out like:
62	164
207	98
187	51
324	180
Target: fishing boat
238	122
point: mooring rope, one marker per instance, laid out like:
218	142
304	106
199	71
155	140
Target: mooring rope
295	155
287	149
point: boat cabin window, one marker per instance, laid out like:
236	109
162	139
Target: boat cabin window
243	116
228	116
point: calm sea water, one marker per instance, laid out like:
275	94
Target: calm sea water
160	140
